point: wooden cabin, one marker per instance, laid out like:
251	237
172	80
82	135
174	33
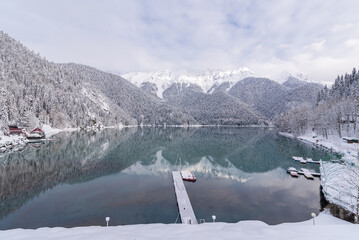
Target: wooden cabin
36	133
15	130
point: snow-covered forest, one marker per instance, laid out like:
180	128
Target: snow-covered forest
335	112
34	91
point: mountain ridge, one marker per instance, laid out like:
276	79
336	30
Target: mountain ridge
35	91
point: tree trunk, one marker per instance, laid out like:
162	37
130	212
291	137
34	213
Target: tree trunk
325	133
339	130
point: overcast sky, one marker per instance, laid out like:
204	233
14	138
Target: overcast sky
313	37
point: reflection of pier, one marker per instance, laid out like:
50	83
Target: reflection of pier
184	204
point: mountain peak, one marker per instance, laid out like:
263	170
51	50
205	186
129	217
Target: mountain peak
206	79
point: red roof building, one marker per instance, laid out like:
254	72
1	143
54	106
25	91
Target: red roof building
14	130
38	131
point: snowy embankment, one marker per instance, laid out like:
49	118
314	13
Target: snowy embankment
8	142
340	184
334	143
326	227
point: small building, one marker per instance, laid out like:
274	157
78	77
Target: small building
15	130
36	134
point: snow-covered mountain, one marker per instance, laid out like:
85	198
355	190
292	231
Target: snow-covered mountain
237	96
210	81
207	80
285	75
74	95
34	91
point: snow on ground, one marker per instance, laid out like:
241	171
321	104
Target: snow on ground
49	131
6	141
335	143
340	184
96	98
326	227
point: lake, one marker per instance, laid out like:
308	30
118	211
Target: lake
80	178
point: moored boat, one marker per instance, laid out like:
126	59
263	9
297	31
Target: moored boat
188	176
298	158
308	175
292	169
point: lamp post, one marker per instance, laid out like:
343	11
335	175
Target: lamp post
107	220
313	216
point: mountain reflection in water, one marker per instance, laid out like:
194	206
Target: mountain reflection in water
80	177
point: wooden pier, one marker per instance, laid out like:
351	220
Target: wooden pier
184	204
303	171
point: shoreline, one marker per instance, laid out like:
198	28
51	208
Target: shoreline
338	181
349	151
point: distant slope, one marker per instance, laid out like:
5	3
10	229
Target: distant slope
259	93
262	96
35	91
293	82
271	98
144	108
217	108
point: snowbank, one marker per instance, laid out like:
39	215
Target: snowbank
49	131
340	184
8	142
327	227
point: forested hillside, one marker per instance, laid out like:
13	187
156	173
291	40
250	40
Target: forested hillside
217	108
143	108
34	91
335	112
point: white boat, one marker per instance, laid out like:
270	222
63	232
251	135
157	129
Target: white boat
298	158
292	169
188	176
303	161
308	175
294	174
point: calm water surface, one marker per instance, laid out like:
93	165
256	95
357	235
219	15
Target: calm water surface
81	178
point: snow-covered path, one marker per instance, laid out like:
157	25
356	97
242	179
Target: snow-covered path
327	227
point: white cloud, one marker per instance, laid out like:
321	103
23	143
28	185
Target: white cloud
316	46
352	43
317	38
